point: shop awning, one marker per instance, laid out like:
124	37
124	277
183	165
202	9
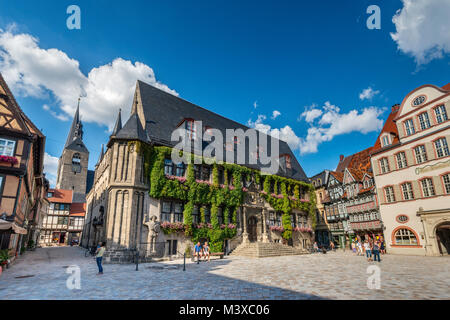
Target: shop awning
5	225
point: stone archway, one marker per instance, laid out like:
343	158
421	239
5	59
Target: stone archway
443	238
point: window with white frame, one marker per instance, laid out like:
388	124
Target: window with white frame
407	191
441	147
441	114
401	160
409	127
446	179
421	154
427	187
424	121
405	237
385	141
384	165
419	100
7	147
389	192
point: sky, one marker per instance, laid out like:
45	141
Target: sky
311	71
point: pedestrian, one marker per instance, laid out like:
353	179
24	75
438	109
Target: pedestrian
368	250
206	251
376	251
99	257
332	245
353	247
382	247
198	251
316	247
359	248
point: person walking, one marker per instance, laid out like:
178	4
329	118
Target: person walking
206	251
368	250
376	251
198	251
332	245
359	248
99	257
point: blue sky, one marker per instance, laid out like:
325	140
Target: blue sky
227	56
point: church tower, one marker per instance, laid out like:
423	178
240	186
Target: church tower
73	163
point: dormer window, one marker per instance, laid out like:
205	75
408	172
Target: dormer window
191	128
285	161
208	131
385	141
419	100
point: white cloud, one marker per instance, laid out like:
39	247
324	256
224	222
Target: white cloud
275	114
50	73
422	29
368	93
255	104
50	168
310	113
328	123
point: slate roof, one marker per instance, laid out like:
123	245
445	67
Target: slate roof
75	137
118	125
78	197
322	176
133	130
163	112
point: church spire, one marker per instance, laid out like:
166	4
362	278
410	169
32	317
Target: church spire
118	125
76	130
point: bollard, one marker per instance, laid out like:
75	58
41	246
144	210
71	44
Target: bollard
184	261
137	260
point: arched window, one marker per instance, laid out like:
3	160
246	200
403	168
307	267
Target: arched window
405	236
76	163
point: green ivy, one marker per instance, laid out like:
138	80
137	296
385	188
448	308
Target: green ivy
200	194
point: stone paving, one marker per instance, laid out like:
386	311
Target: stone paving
335	275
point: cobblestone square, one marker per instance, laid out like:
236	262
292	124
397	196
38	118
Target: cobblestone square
335	275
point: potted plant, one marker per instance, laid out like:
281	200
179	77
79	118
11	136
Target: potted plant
4	258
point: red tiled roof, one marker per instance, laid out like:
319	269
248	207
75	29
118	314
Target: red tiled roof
389	127
338	175
365	190
60	196
446	87
78	209
357	174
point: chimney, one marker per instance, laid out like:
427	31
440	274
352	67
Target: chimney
341	157
395	108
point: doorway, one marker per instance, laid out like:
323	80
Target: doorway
252	227
443	238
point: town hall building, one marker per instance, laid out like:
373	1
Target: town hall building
141	200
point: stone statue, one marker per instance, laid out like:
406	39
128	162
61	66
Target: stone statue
154	227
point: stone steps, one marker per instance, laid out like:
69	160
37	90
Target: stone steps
263	249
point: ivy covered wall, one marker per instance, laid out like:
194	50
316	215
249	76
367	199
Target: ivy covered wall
286	195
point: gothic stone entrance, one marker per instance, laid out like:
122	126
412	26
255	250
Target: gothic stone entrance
252	224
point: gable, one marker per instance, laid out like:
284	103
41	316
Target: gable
429	93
